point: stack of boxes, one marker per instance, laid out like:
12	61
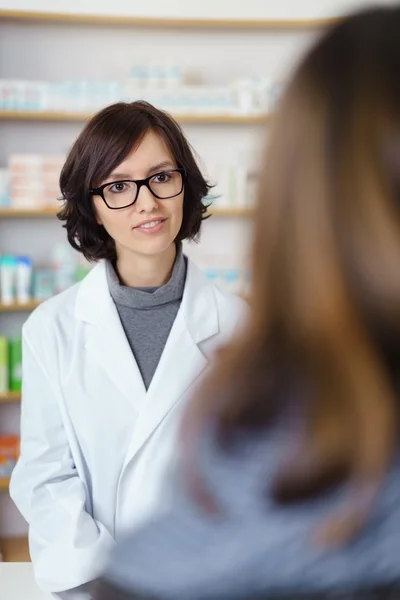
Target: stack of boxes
34	180
9	453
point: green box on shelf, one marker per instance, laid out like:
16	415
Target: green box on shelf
15	364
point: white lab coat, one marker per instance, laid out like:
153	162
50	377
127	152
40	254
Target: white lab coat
95	443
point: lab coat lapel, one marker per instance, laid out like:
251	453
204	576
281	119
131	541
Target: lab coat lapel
182	360
106	340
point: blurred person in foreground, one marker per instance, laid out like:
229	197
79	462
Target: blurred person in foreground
289	483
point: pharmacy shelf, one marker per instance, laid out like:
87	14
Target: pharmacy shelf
16	213
30	115
15	307
164	23
6	398
12	213
15	549
230	212
4	484
211	119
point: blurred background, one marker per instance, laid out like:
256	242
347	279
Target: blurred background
219	66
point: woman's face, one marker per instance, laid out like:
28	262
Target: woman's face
150	226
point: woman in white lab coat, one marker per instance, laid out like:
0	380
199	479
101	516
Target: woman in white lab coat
108	364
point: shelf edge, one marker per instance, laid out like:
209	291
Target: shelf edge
165	23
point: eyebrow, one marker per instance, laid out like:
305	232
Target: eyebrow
155	169
116	176
161	165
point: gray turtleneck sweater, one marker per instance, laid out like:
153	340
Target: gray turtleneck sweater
147	314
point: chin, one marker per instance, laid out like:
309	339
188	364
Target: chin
153	247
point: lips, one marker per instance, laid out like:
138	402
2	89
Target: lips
150	223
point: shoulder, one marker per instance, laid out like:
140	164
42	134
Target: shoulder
49	309
179	553
231	309
51	313
64	308
230	304
51	322
232	312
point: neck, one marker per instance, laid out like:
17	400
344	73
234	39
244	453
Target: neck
146	271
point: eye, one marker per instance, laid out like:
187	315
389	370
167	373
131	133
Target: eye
162	178
119	187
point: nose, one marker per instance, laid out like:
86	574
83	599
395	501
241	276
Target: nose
146	202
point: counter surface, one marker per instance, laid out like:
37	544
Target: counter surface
17	583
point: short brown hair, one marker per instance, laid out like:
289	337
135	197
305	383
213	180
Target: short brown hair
104	143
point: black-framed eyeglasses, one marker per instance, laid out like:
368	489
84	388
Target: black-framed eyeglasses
124	193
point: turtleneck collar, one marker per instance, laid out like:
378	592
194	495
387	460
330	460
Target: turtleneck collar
149	297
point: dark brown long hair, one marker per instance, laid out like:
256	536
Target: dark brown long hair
324	327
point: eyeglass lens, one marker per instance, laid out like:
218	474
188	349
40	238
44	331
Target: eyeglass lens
163	185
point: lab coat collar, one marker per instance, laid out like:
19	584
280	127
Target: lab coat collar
196	321
95	305
105	340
